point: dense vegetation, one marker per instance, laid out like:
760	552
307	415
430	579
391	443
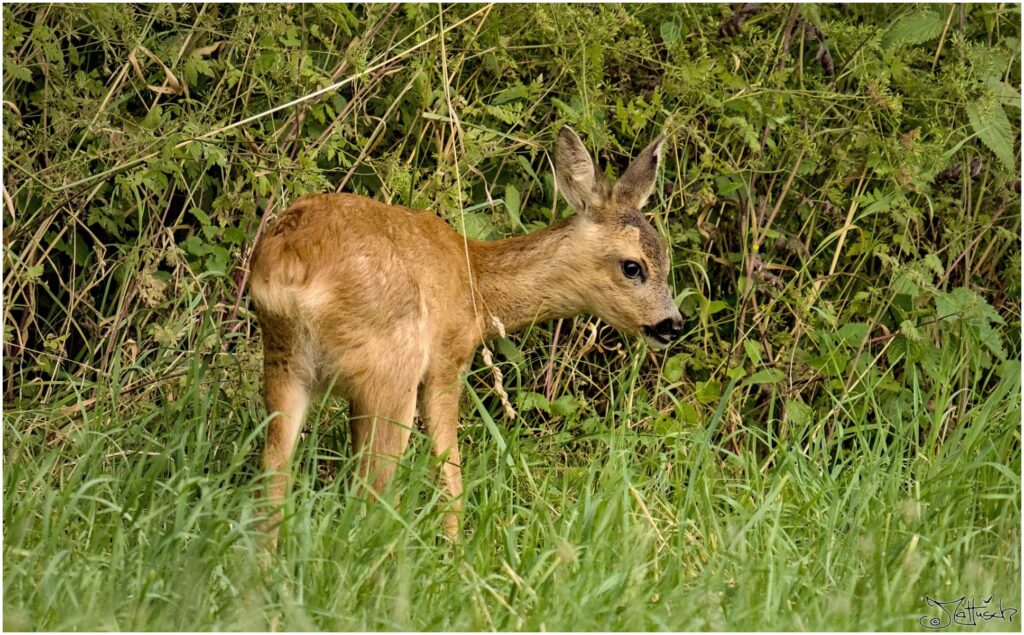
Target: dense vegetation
836	437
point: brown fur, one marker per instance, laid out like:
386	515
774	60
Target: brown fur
388	304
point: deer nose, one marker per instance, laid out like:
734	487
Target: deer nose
669	329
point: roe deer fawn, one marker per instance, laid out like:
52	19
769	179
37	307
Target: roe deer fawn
387	306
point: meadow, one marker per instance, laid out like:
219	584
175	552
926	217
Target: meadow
835	439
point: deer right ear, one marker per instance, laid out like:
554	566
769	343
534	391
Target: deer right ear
576	173
637	184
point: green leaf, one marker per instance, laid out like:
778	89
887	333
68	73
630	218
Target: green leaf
201	215
34	272
967	304
514	93
153	118
811	13
736	373
533	401
195	246
914	29
687	414
512	203
853	333
992	340
672	371
993	128
975	314
766	376
566	110
217	260
478	226
17	71
564	406
727	186
664	424
716	305
753	350
510	351
670	33
709	391
934	263
291	38
798	413
1006	94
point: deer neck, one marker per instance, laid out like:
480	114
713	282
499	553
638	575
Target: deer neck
527	279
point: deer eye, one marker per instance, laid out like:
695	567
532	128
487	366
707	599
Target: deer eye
633	270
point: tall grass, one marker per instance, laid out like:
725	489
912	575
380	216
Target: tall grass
147	520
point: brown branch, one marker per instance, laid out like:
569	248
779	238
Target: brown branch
733	25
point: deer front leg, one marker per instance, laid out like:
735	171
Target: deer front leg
441	392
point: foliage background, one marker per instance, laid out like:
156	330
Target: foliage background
842	196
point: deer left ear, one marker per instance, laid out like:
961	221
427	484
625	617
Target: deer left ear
637	182
578	178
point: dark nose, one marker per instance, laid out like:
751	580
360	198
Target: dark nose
669	329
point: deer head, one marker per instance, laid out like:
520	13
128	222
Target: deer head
625	259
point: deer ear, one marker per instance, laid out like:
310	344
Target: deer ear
637	182
576	173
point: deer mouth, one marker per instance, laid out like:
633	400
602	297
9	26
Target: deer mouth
654	339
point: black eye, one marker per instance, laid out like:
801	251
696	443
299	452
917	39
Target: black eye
632	269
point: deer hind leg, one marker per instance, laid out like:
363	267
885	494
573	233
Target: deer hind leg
286	396
441	392
383	412
286	393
